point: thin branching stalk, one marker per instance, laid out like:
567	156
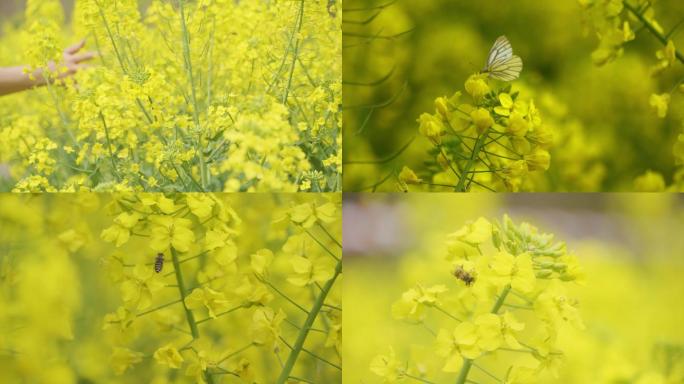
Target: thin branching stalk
189	316
460	187
296	50
416	378
111	38
468	363
276	75
306	327
330	236
331	253
193	94
210	63
119	58
651	28
115	167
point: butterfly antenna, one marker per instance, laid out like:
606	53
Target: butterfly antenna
473	67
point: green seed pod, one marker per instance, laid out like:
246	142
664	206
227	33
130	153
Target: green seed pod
496	237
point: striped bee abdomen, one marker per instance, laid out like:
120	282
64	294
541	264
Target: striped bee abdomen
159	262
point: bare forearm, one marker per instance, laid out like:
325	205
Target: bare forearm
13	79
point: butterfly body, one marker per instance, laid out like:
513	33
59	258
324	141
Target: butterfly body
159	262
502	64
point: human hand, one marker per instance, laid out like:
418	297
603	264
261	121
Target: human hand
16	79
73	61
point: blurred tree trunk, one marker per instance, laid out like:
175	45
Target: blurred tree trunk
8	8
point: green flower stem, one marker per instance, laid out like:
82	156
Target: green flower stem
183	293
651	28
446	158
220	314
193	91
453	186
437	307
302	380
299	328
190	317
463	374
109	148
278	291
321	244
468	363
300	22
487	373
210	62
476	152
334	240
246	347
333	307
501	299
111	37
416	378
315	356
158	308
62	116
118	57
276	75
308	324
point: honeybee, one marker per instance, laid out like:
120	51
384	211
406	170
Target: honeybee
464	275
159	262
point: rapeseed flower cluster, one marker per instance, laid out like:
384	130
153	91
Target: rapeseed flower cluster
397	63
492	141
283	295
238	290
187	96
507	300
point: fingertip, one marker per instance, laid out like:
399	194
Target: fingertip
75	47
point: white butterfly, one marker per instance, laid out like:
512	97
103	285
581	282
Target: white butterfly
502	64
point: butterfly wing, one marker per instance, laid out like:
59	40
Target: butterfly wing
502	64
501	50
506	70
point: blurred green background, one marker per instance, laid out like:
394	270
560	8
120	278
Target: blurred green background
629	245
606	132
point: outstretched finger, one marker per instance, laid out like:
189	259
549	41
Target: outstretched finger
85	56
80	67
75	48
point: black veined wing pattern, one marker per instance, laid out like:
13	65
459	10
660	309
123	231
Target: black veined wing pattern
502	64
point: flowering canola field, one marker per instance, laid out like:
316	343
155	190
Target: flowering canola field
215	95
